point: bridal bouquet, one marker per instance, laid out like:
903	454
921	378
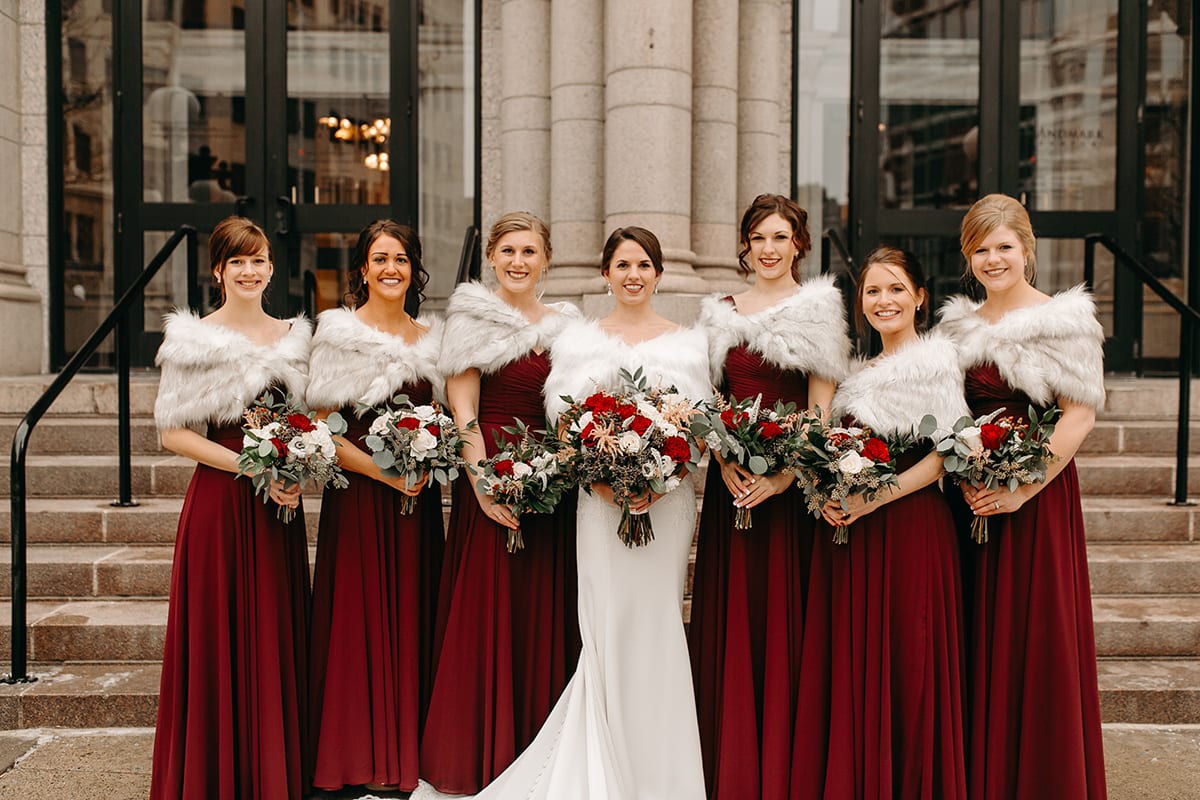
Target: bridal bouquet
762	440
414	441
529	473
990	452
282	442
837	462
635	440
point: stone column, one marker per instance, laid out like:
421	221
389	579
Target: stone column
525	106
759	92
715	143
576	146
23	209
648	129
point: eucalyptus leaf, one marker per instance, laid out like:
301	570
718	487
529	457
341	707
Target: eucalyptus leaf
265	448
758	465
375	443
383	459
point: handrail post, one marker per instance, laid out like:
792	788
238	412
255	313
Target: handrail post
825	254
124	439
18	638
1089	262
1185	411
193	271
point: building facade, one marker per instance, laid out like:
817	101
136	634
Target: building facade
129	118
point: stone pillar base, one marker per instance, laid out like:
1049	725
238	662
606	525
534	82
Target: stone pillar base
20	328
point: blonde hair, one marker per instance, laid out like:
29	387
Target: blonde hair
985	216
517	221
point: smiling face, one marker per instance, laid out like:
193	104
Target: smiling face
773	247
520	259
245	276
388	271
631	274
998	260
889	300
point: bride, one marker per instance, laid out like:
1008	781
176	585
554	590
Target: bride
625	726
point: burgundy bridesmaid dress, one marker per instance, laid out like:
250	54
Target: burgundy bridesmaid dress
232	699
374	604
1033	701
507	634
880	711
747	614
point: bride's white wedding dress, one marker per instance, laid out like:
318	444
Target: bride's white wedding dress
625	726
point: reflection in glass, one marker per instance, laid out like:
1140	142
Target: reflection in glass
1069	104
822	119
1168	52
929	104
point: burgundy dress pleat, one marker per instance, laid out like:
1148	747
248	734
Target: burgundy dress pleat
747	614
507	632
374	604
1033	702
232	696
880	711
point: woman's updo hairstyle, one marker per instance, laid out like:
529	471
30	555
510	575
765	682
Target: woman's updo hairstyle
358	292
633	233
989	213
764	206
898	262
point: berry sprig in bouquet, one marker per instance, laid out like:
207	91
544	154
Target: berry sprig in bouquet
529	473
281	441
636	441
764	441
414	442
836	462
994	451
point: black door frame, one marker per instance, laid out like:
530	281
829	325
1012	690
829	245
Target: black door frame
268	201
999	150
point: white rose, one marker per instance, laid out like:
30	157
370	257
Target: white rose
851	463
713	441
522	470
854	431
380	426
672	482
425	413
972	437
249	441
422	443
630	442
582	422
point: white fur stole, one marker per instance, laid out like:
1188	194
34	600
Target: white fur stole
1048	351
355	363
891	394
584	358
211	373
483	332
806	332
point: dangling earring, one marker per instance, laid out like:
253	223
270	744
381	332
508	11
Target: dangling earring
609	285
656	283
539	288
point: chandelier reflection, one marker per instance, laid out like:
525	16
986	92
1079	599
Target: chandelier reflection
370	135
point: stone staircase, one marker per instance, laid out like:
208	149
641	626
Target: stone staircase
98	576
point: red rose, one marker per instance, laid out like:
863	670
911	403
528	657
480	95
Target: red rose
600	403
838	439
410	423
280	447
626	410
300	422
676	448
768	429
434	429
640	424
503	467
875	449
732	418
588	434
992	435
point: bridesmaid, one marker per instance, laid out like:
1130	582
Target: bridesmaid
231	704
788	342
1033	699
880	707
507	632
375	583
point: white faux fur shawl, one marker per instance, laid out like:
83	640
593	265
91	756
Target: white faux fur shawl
1053	350
584	358
355	363
211	373
805	332
483	332
892	393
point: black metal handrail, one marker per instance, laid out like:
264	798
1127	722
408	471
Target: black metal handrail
1188	317
468	261
117	318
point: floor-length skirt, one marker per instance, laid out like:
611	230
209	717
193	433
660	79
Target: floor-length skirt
374	602
231	704
880	712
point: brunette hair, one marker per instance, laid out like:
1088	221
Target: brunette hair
515	221
358	293
895	259
232	237
989	213
764	206
640	236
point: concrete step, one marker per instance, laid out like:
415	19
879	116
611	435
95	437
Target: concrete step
83	695
85	394
1147	626
1101	476
96	475
1137	437
1131	398
1139	519
1149	691
92	571
1144	568
82	435
90	630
